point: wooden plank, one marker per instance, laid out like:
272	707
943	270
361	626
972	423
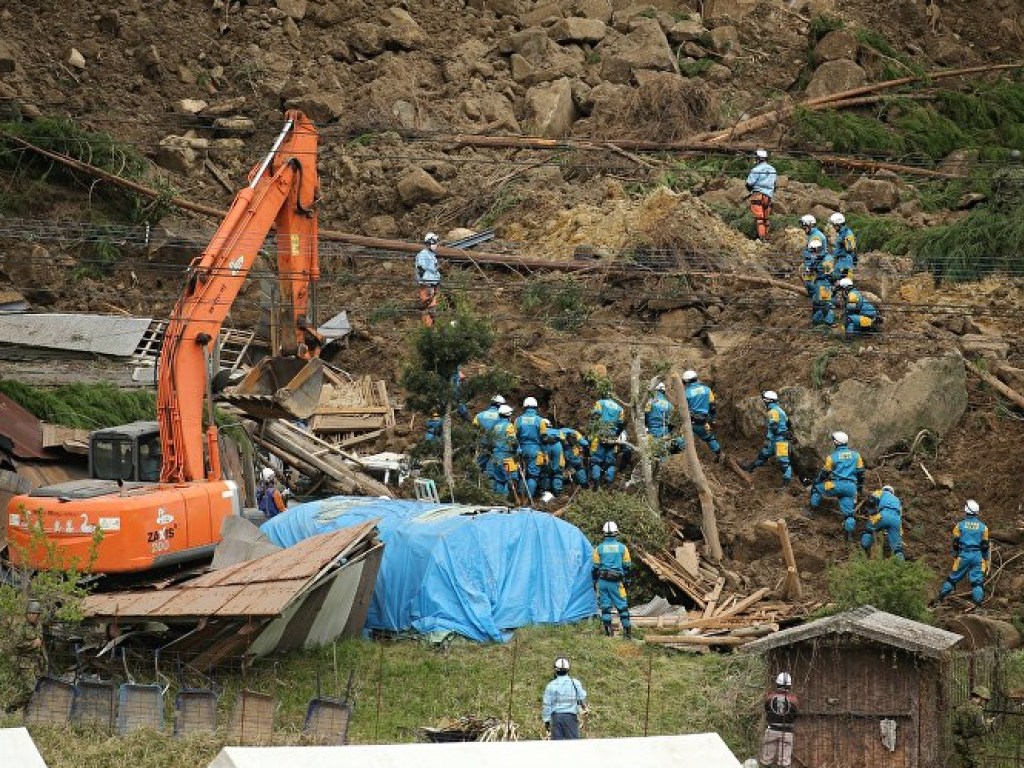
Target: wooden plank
746	602
663	570
696	640
686	556
794	589
712	599
731	601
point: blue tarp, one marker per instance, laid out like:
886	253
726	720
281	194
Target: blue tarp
450	567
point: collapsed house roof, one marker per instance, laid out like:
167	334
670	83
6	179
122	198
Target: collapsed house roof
69	334
869	623
262	605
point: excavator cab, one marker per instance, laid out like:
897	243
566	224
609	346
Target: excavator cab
279	388
128	452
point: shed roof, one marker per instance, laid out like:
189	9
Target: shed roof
110	335
23	430
869	623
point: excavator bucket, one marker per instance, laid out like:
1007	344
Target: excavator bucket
279	388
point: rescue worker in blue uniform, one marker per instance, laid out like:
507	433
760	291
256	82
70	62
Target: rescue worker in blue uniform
269	499
530	430
606	423
504	468
859	314
658	420
776	440
612	565
821	294
886	516
842	477
701	402
575	448
971	555
553	477
844	247
810	227
435	428
483	421
564	699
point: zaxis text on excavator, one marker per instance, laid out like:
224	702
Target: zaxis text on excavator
148	525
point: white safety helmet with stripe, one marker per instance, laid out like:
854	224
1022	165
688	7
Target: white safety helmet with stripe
659	387
268	474
784	680
888	488
840	438
497	400
530	402
846	282
770	396
431	239
972	507
761	154
689	376
807	220
837	219
815	244
504	410
610	528
561	665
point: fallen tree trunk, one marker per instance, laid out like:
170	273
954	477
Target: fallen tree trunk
643	440
824	102
1010	394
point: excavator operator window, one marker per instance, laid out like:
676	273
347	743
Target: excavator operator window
112	460
150	459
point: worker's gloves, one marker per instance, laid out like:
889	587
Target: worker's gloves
547	726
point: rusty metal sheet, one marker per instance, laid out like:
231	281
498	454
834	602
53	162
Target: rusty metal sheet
23	430
303	561
263	599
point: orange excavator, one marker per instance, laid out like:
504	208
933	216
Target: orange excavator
115	522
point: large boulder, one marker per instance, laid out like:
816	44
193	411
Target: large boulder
401	31
646	47
550	111
686	31
578	30
878	195
835	77
878	414
418	186
736	10
320	106
594	9
837	44
8	57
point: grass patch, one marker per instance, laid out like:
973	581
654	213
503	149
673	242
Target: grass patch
820	366
821	25
98	149
695	68
806	170
880	233
86	406
420	686
899	64
845	132
384	312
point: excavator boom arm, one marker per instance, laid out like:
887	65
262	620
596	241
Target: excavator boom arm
282	192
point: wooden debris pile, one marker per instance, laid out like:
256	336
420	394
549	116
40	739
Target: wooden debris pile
470	728
352	412
720	617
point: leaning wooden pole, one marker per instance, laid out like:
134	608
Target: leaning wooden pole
696	473
1010	394
643	440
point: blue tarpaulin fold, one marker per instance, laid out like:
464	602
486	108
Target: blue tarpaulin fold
449	567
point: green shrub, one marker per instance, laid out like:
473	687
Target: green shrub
695	68
589	510
929	132
880	233
982	242
889	584
822	25
845	132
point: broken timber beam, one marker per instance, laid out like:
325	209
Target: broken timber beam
696	640
712	599
746	602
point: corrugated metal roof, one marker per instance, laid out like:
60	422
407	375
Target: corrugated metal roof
867	622
23	430
261	587
110	335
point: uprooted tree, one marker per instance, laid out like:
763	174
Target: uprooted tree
431	378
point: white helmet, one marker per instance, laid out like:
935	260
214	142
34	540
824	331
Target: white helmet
815	244
659	387
497	400
784	680
561	665
530	402
846	282
610	528
888	488
504	410
807	220
972	507
837	219
762	154
689	376
770	396
268	474
840	438
431	239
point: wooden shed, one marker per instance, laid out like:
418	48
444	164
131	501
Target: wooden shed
871	687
